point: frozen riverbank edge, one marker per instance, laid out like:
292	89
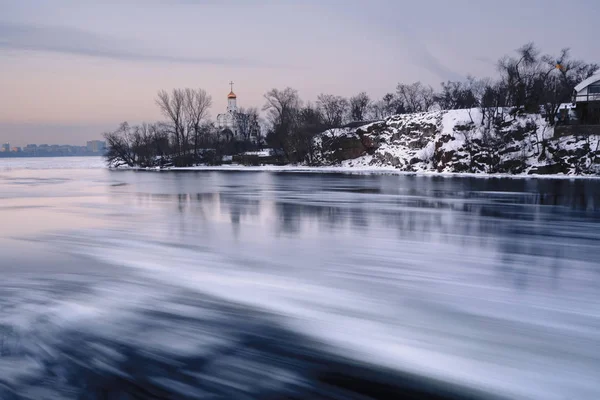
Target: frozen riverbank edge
355	171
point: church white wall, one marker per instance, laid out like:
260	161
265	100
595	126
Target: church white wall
231	120
232	105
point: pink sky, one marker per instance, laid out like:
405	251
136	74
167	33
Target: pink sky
71	69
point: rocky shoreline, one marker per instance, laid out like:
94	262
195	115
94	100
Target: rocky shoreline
456	142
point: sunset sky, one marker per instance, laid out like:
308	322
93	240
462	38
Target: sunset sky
70	70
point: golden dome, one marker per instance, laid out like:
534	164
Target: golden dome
231	95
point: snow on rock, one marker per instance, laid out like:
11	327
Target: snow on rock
336	145
460	141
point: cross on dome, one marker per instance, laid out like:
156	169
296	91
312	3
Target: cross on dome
231	95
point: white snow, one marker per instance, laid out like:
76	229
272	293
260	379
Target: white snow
260	153
408	143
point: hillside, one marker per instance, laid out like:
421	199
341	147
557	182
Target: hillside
456	141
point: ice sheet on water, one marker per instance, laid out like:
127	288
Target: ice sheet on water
226	350
250	285
416	318
43	163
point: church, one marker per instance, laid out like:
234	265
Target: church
237	125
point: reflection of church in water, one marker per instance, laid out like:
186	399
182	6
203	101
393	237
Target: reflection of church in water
238	125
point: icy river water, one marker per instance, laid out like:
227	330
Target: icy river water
267	285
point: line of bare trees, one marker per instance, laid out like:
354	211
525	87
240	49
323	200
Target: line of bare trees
186	110
178	139
528	82
186	136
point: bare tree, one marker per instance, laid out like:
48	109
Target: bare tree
416	97
377	110
150	143
490	103
359	106
196	106
565	73
173	107
476	88
137	146
333	108
119	147
525	78
456	95
310	124
254	122
249	123
282	107
427	98
533	83
389	105
410	96
393	105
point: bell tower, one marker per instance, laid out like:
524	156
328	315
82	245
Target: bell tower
231	100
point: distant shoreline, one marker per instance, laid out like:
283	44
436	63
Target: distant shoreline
50	155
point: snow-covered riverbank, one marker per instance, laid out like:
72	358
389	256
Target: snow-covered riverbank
445	143
358	170
457	141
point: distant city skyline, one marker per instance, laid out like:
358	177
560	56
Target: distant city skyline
73	70
55	134
92	147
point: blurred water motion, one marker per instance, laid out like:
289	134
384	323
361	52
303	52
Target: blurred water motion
123	285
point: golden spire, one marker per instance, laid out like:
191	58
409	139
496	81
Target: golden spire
231	95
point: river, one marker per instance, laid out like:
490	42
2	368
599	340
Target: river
271	285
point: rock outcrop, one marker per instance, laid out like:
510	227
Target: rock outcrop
457	141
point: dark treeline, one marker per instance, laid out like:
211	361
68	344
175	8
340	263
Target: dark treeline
527	82
186	136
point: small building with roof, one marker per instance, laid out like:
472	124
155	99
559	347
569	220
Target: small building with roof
586	98
582	116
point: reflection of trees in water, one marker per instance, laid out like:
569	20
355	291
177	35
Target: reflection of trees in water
291	215
289	220
230	204
540	235
530	256
576	195
238	207
522	220
193	208
476	215
534	250
359	218
190	211
412	224
233	204
580	194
